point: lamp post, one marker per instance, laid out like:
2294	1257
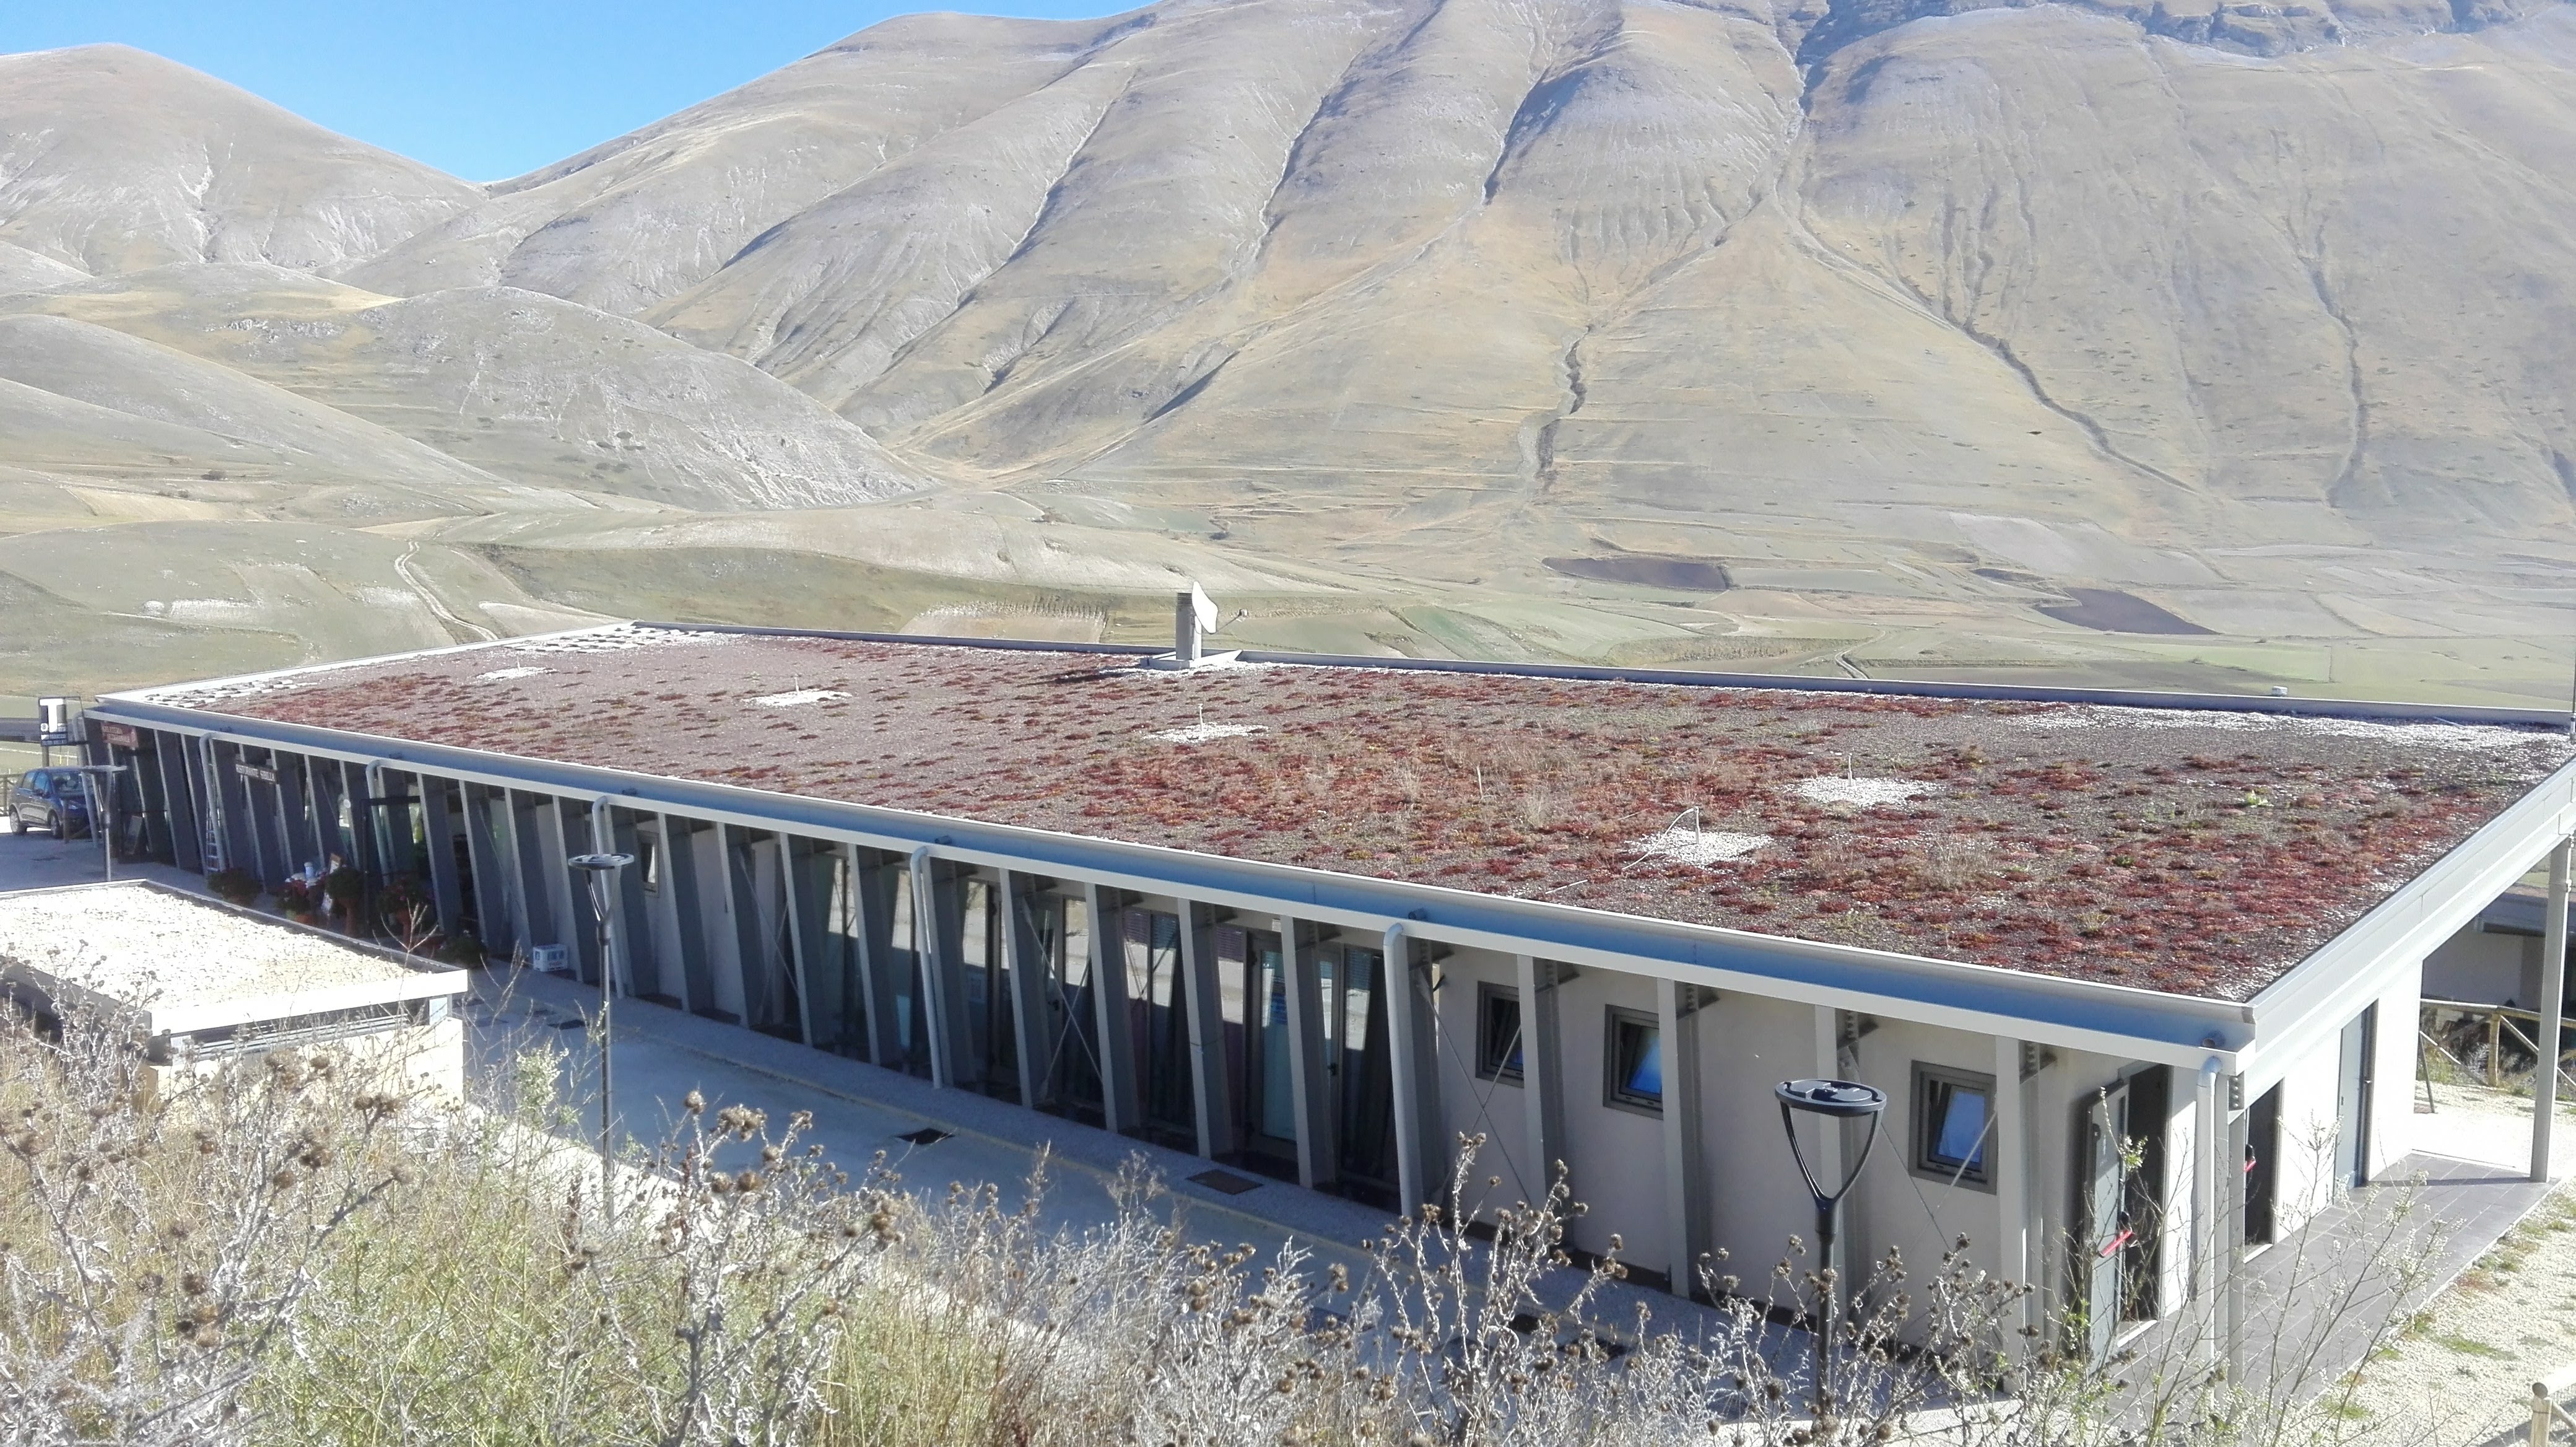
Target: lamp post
601	871
1836	1101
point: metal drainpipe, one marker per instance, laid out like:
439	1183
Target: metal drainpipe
2208	1206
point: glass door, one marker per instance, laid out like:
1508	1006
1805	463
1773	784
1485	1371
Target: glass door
1069	1077
911	1022
993	1057
1356	1065
1252	976
1158	1028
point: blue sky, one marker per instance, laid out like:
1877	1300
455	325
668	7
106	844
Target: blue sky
481	88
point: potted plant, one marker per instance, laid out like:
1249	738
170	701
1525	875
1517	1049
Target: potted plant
344	886
301	900
464	951
235	885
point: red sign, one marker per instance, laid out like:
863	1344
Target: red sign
120	736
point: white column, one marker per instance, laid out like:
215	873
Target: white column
929	943
1015	895
1119	1108
1413	1186
1685	1192
2553	1000
1542	1070
1211	1101
1306	1078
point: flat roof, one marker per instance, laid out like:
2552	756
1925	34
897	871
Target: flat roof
186	963
2193	851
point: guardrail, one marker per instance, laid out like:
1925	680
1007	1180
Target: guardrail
2500	1025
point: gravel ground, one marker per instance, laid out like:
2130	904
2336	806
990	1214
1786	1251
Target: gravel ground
143	946
2462	1373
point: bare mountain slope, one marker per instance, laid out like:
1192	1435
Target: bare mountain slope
634	221
1869	335
111	159
499	388
108	368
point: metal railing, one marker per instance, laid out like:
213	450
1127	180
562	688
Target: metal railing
2503	1023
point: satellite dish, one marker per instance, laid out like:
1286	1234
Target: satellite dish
1205	608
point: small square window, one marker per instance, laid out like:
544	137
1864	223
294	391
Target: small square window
1954	1135
1635	1060
1498	1032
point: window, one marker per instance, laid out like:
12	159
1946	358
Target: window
648	863
1953	1125
1498	1033
1635	1058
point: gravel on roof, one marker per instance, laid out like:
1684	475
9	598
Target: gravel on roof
2192	852
151	949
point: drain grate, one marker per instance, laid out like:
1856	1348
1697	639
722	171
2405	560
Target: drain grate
1226	1181
928	1135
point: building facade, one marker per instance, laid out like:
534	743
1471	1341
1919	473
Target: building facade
1345	1030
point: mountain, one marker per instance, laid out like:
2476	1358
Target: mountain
2209	342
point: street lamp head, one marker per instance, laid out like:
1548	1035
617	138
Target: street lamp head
1842	1099
1836	1100
601	863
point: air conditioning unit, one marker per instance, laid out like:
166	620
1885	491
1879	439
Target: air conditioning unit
552	959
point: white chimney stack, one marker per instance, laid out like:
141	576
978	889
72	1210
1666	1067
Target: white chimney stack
1192	616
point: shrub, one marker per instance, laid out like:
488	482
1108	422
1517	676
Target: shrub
235	885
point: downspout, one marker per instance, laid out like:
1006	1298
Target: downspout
2207	1231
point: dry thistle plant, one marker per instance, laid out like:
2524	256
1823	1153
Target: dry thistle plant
156	1245
284	1253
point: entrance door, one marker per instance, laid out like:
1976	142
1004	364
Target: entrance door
1355	1062
1252	984
1069	1075
2262	1166
992	1046
2352	1099
2104	1208
903	963
1158	1028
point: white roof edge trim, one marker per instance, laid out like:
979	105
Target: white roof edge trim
266	675
2368	955
2075	1011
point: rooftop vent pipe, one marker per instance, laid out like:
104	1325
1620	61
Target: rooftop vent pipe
1193	617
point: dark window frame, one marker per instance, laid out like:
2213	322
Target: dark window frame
1617	1065
1934	1086
1495	1051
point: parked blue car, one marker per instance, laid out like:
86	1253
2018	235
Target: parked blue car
52	800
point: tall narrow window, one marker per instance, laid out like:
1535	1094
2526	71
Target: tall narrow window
1953	1125
1498	1032
1635	1060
